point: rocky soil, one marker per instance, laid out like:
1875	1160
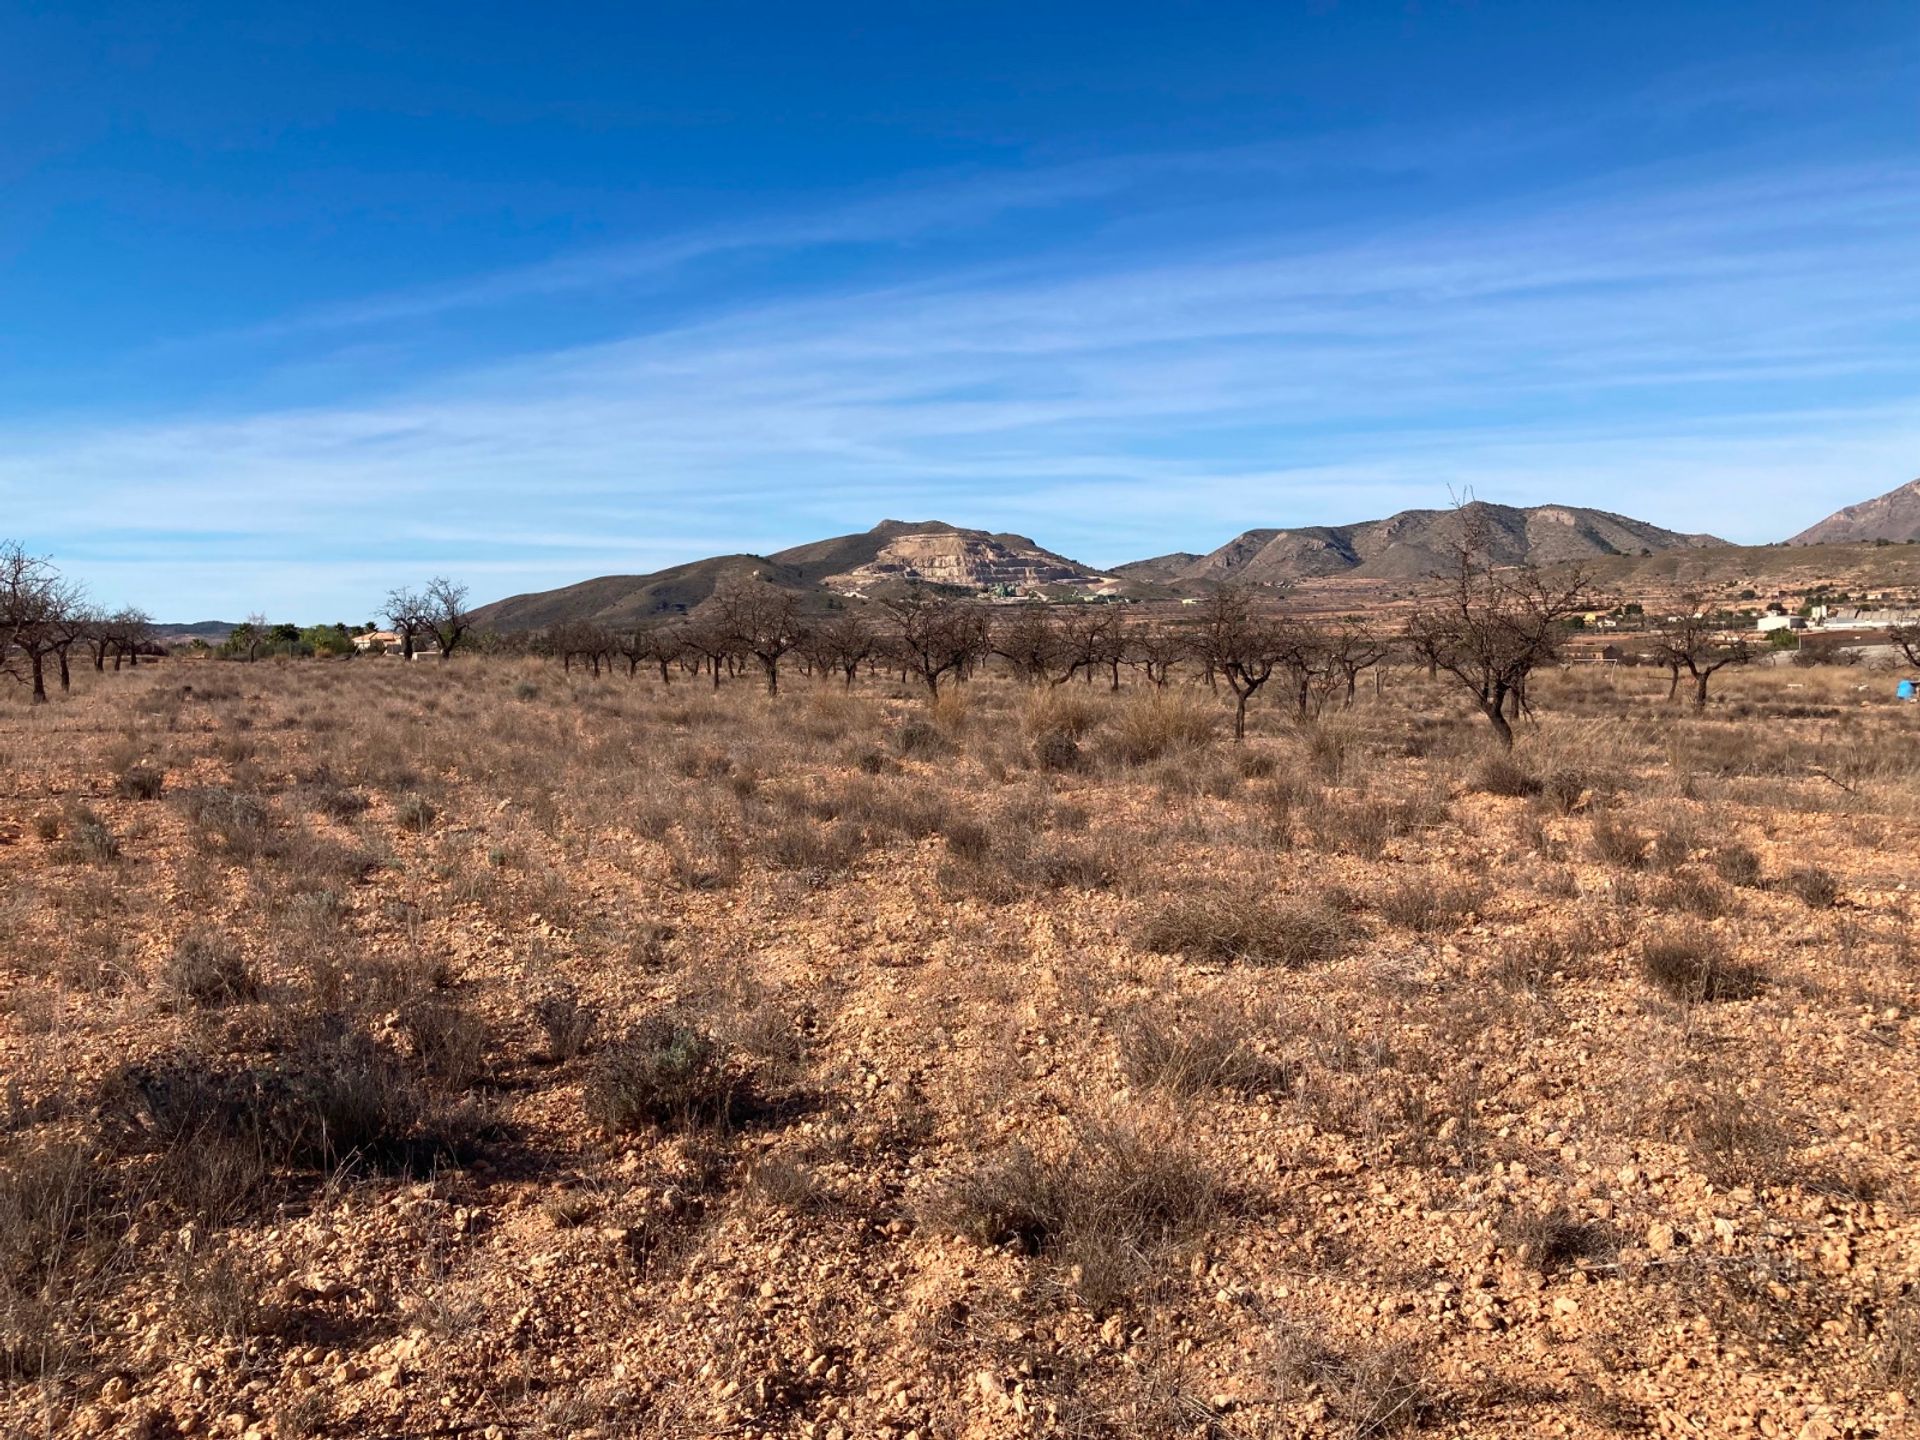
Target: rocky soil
473	1050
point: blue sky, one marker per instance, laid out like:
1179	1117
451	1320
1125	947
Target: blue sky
298	303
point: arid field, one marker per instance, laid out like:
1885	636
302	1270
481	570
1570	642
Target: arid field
480	1049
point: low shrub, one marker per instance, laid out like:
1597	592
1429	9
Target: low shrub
1503	775
1103	1210
1738	865
662	1072
140	782
1166	723
1192	1049
1815	887
1427	906
566	1022
1617	844
1551	1239
1690	968
1056	751
208	970
451	1044
87	840
413	812
1245	928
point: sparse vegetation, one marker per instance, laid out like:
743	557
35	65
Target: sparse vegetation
984	1053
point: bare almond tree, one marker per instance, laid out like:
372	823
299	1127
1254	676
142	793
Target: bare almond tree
842	644
582	640
1906	638
1354	649
33	602
1029	640
936	638
762	620
1490	627
408	615
1693	644
1154	650
1234	641
443	611
1093	642
706	640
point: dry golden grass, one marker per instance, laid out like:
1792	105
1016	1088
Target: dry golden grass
482	1049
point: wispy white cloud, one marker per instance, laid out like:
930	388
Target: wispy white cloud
1731	356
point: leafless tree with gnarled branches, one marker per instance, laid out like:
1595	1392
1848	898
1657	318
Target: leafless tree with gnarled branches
1491	627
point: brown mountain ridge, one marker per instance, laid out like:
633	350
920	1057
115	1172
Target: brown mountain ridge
1894	517
1414	543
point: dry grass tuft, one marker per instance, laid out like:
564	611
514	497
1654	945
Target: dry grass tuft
1245	927
1692	968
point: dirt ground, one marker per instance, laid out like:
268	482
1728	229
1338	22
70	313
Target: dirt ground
473	1049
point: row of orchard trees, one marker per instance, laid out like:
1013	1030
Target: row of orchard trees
45	617
1488	628
933	638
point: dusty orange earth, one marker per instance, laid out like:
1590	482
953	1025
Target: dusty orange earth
473	1049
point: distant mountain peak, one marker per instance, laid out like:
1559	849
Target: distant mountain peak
1415	543
1894	516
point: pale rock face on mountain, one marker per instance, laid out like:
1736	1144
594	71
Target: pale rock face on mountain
1894	516
965	558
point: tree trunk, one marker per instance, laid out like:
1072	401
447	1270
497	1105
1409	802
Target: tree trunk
1673	685
1700	689
1240	715
1496	713
39	678
66	679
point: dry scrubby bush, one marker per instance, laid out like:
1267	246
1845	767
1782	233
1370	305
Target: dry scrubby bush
208	970
566	1022
1002	861
1815	887
1103	1209
336	1098
139	782
85	838
1369	1391
1186	1050
1245	927
665	1072
1738	865
1428	906
1503	775
1162	725
1617	844
1550	1239
1692	968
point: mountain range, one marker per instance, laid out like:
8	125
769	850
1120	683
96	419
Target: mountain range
1416	543
1407	546
896	552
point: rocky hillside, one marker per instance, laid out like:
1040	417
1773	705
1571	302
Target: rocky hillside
1894	516
1415	543
894	552
935	552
